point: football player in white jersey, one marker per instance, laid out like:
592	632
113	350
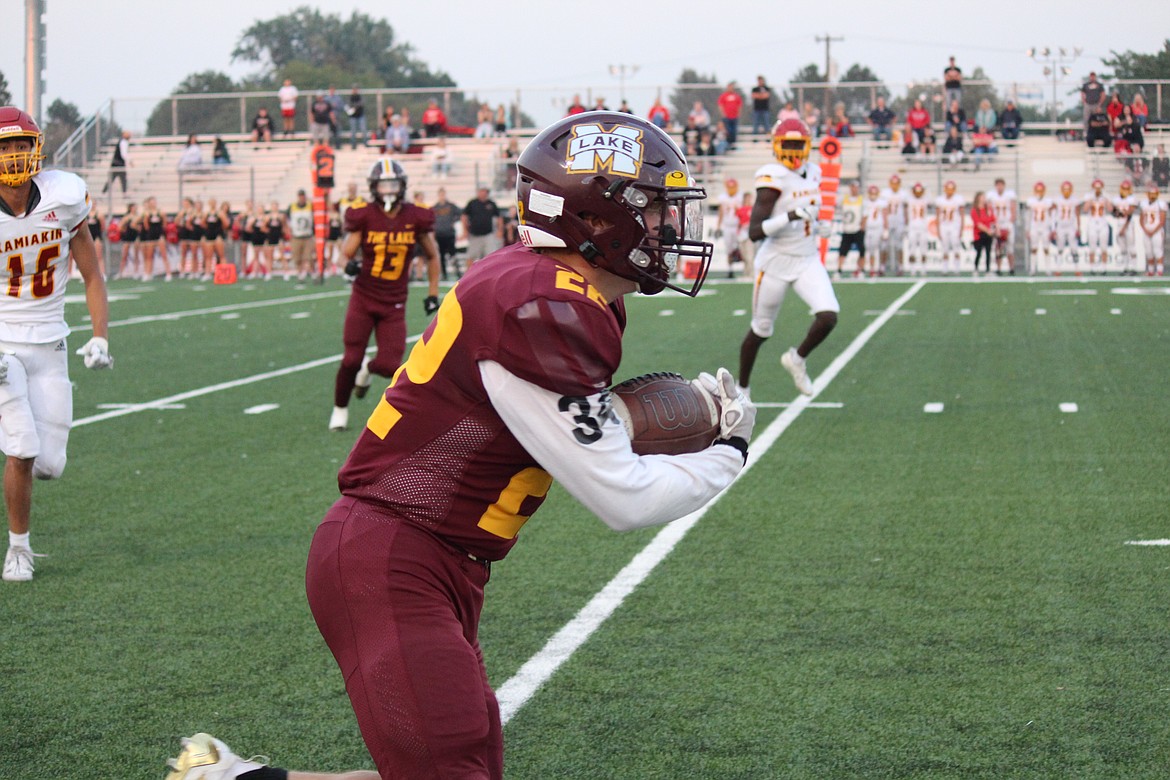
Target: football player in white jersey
1003	204
949	210
1124	210
1040	218
784	219
1068	211
917	229
1096	208
875	218
895	198
1153	216
727	223
850	211
42	225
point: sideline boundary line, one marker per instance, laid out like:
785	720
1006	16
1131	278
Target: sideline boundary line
537	670
178	315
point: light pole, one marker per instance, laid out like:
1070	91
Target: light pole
1055	62
620	71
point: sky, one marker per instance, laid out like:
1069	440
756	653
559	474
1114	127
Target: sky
137	51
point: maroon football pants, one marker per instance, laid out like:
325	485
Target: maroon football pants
400	611
387	321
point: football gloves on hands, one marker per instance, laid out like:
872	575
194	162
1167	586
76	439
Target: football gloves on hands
353	268
431	304
802	212
737	414
97	353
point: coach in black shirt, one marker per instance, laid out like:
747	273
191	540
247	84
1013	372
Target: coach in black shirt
481	223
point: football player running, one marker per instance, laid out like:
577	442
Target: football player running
386	230
42	225
784	218
506	391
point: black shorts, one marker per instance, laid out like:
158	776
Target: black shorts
850	241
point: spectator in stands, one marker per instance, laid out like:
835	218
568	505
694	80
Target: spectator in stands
690	134
1113	107
927	146
261	126
1010	121
985	119
447	216
192	156
1097	129
483	121
384	122
761	106
919	119
787	111
1092	98
1160	168
624	107
1131	131
321	120
730	104
953	146
397	136
406	124
481	225
576	107
909	142
700	115
599	105
441	158
881	120
219	152
953	82
119	162
956	117
287	95
839	126
659	115
812	118
982	144
1141	109
355	109
337	105
500	125
434	120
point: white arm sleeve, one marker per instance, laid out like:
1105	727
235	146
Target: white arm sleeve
584	447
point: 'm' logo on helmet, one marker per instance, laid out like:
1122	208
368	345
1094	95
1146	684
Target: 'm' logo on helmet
617	150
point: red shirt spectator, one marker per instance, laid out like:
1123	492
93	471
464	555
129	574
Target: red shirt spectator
575	107
434	120
730	102
918	118
984	221
659	115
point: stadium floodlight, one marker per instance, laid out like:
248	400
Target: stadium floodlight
1055	62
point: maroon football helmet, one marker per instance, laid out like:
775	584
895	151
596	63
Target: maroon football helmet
616	189
387	182
18	167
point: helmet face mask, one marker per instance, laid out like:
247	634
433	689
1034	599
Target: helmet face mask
19	162
791	143
617	190
387	182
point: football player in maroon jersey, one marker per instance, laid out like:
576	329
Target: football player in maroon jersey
506	391
386	230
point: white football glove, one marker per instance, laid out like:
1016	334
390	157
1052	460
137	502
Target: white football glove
737	414
97	353
825	229
801	212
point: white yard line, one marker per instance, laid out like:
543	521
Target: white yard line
231	307
516	691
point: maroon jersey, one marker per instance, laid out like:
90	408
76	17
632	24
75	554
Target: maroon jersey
435	451
387	247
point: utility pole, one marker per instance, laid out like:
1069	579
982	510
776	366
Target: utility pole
828	41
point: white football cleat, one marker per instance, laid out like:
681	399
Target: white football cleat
361	383
794	364
204	757
339	420
18	564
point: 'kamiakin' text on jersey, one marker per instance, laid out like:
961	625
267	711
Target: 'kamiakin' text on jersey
35	252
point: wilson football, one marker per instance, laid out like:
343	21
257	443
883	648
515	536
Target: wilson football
665	414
